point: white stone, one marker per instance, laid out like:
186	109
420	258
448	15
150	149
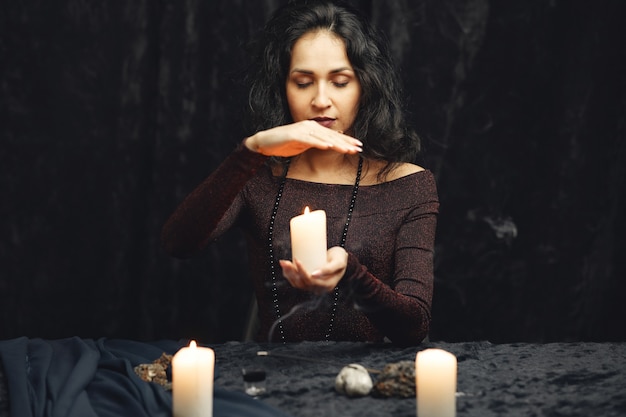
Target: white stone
354	381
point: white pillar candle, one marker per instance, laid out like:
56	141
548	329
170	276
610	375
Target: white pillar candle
308	239
435	380
192	381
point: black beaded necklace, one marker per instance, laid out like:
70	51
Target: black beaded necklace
272	259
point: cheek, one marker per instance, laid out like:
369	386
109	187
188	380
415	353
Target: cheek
354	105
296	102
353	99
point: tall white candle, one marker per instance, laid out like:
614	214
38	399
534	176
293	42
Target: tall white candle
192	381
435	380
308	239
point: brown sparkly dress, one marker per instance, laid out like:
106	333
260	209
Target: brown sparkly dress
387	288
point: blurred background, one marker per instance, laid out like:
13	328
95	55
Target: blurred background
111	112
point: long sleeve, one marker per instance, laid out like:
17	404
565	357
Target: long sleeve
195	221
404	319
401	310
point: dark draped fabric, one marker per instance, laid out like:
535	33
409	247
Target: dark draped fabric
76	377
110	112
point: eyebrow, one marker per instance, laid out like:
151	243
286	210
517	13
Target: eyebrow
335	71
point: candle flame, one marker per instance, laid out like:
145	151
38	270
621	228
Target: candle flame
306	210
192	344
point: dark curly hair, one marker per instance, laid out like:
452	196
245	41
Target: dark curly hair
380	123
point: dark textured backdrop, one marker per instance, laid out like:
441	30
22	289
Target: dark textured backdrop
110	112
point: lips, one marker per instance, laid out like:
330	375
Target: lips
324	121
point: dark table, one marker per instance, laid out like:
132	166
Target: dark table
558	379
83	377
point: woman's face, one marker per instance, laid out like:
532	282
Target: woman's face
321	83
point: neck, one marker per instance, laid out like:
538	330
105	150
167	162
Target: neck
316	165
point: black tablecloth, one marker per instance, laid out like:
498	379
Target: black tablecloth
50	378
560	379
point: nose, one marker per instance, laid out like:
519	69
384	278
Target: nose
321	99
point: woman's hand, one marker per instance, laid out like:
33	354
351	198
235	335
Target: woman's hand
324	279
293	139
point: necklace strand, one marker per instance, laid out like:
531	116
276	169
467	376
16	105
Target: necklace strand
272	259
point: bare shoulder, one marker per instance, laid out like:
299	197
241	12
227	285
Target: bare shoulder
399	170
404	169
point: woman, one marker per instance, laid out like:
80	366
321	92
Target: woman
330	134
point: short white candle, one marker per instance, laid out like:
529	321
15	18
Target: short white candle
192	381
435	380
308	239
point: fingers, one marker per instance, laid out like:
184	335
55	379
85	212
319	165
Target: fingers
297	276
295	138
324	138
337	262
322	280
